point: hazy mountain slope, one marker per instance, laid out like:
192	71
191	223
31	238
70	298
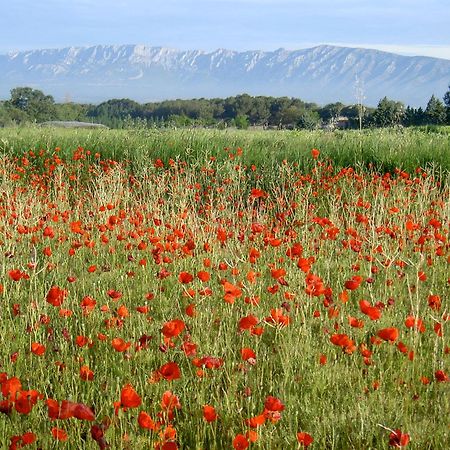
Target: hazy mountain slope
323	74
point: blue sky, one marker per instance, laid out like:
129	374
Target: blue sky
409	27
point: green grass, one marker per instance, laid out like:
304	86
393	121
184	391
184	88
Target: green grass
382	150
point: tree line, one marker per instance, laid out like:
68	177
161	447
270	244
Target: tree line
28	105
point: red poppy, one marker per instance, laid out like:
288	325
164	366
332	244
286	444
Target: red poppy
258	193
113	294
209	413
369	310
120	345
203	276
26	400
129	398
145	421
273	404
173	328
255	422
185	277
441	376
304	439
37	348
83	412
59	434
17	275
232	292
170	371
434	302
353	283
315	153
248	355
398	439
388	334
56	296
240	442
248	322
86	374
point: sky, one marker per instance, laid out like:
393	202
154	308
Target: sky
409	27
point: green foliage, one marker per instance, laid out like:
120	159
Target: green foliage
30	105
435	112
27	104
241	122
447	104
388	113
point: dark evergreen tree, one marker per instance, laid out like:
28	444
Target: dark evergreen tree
435	113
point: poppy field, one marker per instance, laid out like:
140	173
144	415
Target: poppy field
214	300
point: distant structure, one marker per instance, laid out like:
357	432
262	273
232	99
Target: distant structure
71	124
337	123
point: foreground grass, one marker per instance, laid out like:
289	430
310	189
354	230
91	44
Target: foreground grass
281	247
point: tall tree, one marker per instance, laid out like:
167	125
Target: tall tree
34	103
435	113
388	113
447	104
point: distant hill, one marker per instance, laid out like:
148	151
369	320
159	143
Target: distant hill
322	74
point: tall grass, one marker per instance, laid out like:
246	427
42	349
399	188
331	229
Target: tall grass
380	150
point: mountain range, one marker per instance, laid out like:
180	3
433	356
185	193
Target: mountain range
321	74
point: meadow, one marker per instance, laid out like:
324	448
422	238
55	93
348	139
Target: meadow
205	289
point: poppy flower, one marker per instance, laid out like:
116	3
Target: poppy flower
98	434
441	376
248	355
37	348
203	276
232	292
59	434
120	345
86	374
273	404
173	328
113	294
185	277
209	413
17	275
129	398
305	439
434	302
258	193
25	401
398	439
56	296
388	334
353	283
170	402
83	412
315	153
170	371
371	311
146	422
240	442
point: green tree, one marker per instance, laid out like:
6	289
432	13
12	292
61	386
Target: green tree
435	113
308	119
388	113
447	104
241	122
413	117
33	103
331	111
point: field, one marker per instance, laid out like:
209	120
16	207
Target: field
201	289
